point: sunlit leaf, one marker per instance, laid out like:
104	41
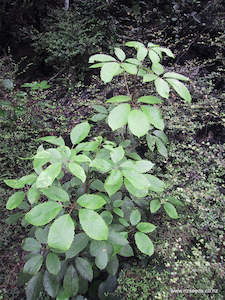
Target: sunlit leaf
180	88
138	123
118	117
170	210
79	132
91	201
15	200
144	243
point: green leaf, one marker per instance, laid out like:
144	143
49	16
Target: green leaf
118	117
107	217
47	177
98	65
63	295
53	263
101	58
126	251
162	87
154	57
51	285
34	287
14	183
134	44
149	77
161	135
88	146
167	51
130	68
42	235
79	132
175	201
61	233
180	88
109	70
139	193
141	53
124	222
93	224
154	116
15	200
71	281
77	171
30	244
101	251
97	185
151	140
84	268
155	206
120	54
144	243
117	238
157	68
155	184
29	179
33	265
101	164
79	158
79	243
161	147
91	201
100	108
118	212
117	154
53	140
170	210
139	181
138	123
13	219
175	76
143	166
41	158
43	213
149	100
113	182
113	265
146	227
56	193
135	217
119	98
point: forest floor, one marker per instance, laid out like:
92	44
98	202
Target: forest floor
190	253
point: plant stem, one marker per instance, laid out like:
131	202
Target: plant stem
126	84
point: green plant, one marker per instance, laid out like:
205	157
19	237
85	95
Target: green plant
97	188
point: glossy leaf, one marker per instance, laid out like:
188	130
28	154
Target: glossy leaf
113	182
155	206
53	263
33	265
180	88
84	268
43	213
118	117
109	70
79	132
162	87
146	227
91	201
93	224
170	210
56	193
144	243
135	217
61	233
138	123
47	177
154	116
77	171
15	200
79	243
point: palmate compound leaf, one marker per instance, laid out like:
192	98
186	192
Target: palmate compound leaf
118	117
84	267
93	224
79	132
61	233
15	200
180	88
43	213
138	123
47	176
113	182
144	243
91	201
